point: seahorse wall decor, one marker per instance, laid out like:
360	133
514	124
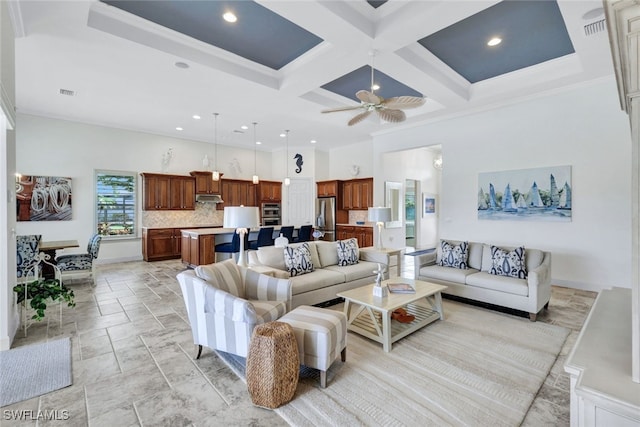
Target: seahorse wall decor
299	162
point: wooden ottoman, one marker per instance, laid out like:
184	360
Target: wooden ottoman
272	365
321	335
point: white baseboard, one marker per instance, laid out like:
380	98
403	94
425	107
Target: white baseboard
117	260
584	286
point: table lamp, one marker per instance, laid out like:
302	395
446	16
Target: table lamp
379	215
242	218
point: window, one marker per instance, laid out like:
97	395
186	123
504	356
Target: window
116	204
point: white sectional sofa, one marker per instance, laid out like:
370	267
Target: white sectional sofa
327	278
530	294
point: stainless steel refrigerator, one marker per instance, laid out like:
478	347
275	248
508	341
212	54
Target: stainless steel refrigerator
326	217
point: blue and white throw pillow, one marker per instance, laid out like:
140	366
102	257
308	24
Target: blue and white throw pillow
298	259
348	252
456	256
508	263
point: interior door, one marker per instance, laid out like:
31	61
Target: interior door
298	202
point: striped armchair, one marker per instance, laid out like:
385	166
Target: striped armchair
225	302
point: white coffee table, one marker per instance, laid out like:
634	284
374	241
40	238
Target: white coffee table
370	316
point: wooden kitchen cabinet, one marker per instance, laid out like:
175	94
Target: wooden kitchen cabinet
182	195
327	188
155	191
364	235
198	250
205	183
168	192
161	243
236	192
270	191
357	194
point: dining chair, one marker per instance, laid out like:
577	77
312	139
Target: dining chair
265	238
28	248
80	263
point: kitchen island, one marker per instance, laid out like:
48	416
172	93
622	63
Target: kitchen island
198	245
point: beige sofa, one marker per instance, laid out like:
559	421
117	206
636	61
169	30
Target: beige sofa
327	278
476	283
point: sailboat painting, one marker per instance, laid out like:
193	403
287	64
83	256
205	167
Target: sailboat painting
541	194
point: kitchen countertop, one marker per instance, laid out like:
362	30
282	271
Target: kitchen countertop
357	225
182	227
219	230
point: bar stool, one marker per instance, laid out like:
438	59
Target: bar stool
265	238
287	231
304	234
231	247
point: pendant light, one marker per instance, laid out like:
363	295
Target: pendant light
287	181
216	172
256	180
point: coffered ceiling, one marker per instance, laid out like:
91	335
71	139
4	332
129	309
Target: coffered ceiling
151	66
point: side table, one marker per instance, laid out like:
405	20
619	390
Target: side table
391	252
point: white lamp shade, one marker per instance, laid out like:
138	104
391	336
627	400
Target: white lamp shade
379	214
241	217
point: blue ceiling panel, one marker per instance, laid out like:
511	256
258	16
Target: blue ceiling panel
259	35
531	31
376	3
360	79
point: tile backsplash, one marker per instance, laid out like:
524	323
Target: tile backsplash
355	216
204	215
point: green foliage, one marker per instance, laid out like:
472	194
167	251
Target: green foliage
39	291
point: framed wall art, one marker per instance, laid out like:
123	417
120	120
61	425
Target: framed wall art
541	194
43	198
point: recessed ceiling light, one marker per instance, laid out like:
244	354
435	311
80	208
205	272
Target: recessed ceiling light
258	143
229	17
196	117
494	41
179	128
181	65
313	141
375	87
244	127
282	135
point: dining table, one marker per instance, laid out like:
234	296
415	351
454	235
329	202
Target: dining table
50	248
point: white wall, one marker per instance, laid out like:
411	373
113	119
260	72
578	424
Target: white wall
61	148
344	158
582	127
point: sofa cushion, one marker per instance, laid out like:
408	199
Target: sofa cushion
355	271
446	273
298	259
317	279
533	257
273	257
223	275
348	253
508	263
327	253
506	284
453	255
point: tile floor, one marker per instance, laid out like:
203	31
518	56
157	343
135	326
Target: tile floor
133	357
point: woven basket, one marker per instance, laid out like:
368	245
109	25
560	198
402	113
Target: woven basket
272	365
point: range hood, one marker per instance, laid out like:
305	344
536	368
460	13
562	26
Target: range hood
208	198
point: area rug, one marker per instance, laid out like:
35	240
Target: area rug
477	367
33	370
420	252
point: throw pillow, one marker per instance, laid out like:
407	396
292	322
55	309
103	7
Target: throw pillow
505	263
348	252
298	259
454	255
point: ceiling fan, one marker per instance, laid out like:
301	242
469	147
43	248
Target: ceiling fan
389	109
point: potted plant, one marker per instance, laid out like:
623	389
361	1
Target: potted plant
41	290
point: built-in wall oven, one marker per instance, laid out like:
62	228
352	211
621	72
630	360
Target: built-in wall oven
270	214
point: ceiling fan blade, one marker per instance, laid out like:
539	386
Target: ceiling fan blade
403	102
368	97
360	117
334	110
392	116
